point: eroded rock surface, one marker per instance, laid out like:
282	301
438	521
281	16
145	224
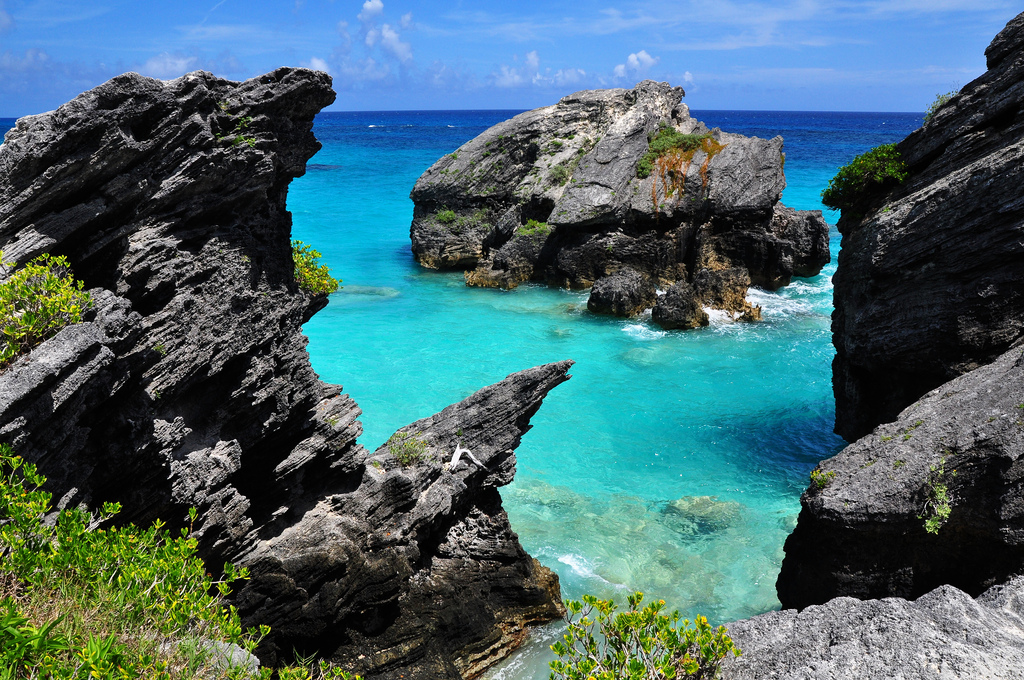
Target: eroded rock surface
864	534
572	168
929	281
189	384
625	293
943	634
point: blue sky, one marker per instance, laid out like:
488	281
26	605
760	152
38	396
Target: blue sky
846	55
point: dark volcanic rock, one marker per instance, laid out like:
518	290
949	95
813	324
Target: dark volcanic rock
189	384
573	166
679	308
864	533
929	283
627	292
943	634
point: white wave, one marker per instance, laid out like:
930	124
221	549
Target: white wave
581	566
774	305
642	332
719	317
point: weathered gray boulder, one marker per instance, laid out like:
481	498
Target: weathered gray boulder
679	308
573	168
957	452
929	282
189	384
943	634
627	292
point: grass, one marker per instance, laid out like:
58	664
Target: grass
940	101
534	229
665	141
406	448
446	216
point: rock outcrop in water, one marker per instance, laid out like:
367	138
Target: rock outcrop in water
943	634
189	384
929	283
554	195
864	533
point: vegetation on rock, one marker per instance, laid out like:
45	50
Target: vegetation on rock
312	277
938	503
940	101
533	228
666	140
877	167
79	602
37	301
638	644
406	448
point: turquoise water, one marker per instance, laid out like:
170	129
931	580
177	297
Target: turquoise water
672	462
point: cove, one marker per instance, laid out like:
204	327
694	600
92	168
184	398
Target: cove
672	462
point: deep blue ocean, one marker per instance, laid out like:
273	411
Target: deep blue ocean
672	462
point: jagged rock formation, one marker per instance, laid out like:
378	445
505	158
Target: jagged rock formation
189	384
554	195
864	534
929	284
627	292
943	634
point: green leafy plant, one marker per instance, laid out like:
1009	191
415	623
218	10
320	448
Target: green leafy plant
641	643
37	301
940	101
880	166
559	174
406	448
312	277
938	504
446	216
664	141
821	479
534	229
81	602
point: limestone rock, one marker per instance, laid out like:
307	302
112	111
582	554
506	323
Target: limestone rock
726	289
864	534
627	292
573	167
679	307
929	284
189	384
942	634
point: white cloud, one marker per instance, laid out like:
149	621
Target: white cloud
636	64
406	20
317	64
372	36
507	77
532	60
33	59
5	19
365	69
371	9
569	76
688	78
167	66
392	42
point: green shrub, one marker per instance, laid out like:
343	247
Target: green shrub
36	302
940	100
641	643
312	277
938	503
559	174
821	479
664	141
406	448
879	166
446	216
534	229
80	602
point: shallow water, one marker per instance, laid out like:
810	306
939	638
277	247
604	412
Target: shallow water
672	462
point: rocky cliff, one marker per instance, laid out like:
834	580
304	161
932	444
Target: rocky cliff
929	284
943	634
189	384
561	195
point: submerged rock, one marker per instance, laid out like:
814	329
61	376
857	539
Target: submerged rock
189	384
570	175
627	292
929	282
954	463
941	634
703	514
